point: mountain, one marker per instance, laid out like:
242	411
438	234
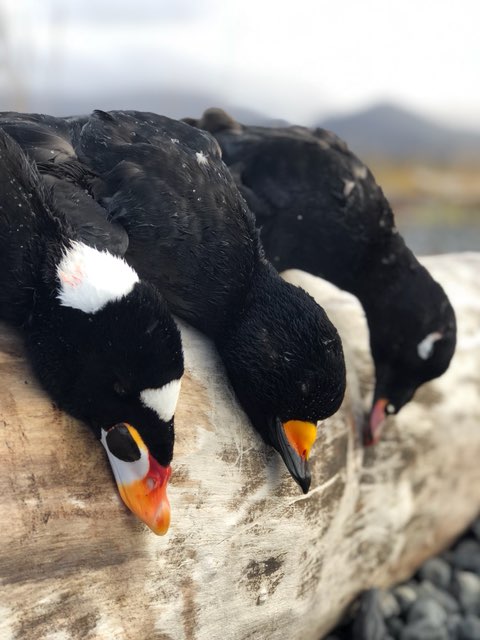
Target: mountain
386	130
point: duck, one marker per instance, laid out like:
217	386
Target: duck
319	209
191	234
101	341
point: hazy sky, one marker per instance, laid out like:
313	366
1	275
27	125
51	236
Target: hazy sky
296	59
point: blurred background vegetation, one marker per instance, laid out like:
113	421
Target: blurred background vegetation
399	84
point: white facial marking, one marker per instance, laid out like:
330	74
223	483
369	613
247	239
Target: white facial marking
390	408
90	278
201	158
127	472
348	188
164	400
425	347
360	171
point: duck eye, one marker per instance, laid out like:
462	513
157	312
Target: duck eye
119	389
304	388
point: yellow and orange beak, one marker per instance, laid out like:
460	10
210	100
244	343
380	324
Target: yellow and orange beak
141	480
373	429
293	440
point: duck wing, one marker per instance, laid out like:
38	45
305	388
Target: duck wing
190	232
47	141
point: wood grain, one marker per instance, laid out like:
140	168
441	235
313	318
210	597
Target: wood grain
247	555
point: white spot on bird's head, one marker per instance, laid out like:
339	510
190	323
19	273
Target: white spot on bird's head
348	188
425	347
360	171
201	158
89	278
164	400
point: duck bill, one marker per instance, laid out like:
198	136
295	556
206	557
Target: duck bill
373	429
293	440
147	498
141	481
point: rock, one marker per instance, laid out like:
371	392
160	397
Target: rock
467	555
426	608
406	596
469	629
443	598
453	626
388	604
395	626
466	587
74	563
436	571
369	623
476	529
424	630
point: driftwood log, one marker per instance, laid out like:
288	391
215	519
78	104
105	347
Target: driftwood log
247	555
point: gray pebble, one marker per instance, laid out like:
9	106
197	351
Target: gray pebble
453	626
466	587
406	596
388	604
469	628
395	626
476	529
424	630
444	599
369	623
426	608
437	571
466	555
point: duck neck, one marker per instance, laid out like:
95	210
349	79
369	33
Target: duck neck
72	275
384	271
254	293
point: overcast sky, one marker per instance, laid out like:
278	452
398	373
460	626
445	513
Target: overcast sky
294	59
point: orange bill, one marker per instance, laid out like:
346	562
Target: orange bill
141	480
373	430
293	440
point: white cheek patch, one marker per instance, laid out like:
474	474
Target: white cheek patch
90	278
164	400
425	347
127	472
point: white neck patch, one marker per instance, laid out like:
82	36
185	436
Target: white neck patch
164	400
425	347
90	278
127	472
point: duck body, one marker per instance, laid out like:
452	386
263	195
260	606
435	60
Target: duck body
320	210
191	233
97	336
189	230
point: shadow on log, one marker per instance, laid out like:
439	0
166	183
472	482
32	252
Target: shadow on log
247	555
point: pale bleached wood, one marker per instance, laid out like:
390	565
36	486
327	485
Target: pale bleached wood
247	556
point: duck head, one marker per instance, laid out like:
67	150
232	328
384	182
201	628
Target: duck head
109	352
419	350
285	362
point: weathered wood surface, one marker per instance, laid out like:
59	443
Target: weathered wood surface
247	556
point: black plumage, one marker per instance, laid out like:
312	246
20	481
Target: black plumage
192	235
320	210
93	364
